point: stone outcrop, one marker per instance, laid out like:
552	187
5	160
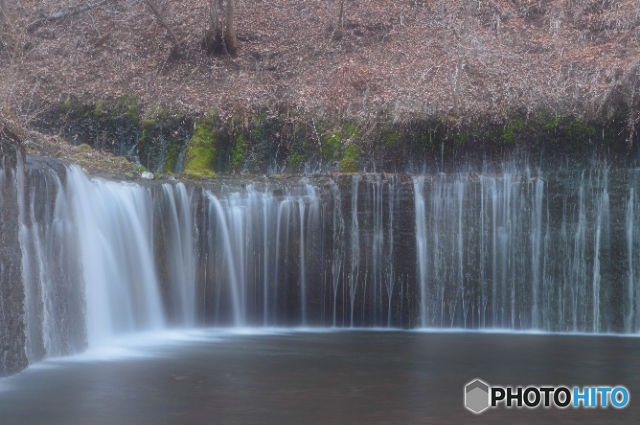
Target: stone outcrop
12	336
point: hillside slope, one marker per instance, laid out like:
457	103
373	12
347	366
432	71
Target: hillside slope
407	82
404	56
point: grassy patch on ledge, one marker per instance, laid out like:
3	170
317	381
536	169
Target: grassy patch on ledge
201	151
350	162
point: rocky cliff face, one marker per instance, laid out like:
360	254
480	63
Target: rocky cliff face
12	336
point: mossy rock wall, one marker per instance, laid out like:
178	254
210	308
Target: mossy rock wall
201	151
203	146
163	141
156	139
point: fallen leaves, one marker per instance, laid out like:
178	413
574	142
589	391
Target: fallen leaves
391	56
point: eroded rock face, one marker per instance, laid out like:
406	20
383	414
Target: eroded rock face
12	336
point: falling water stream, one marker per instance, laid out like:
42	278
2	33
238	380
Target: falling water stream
517	249
248	300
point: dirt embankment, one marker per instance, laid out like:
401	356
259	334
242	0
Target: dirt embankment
403	56
462	63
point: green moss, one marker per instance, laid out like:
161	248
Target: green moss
351	131
349	163
582	130
199	162
299	155
66	105
237	155
390	138
84	148
511	129
78	159
171	160
551	123
148	123
331	146
259	127
145	136
99	109
126	106
148	127
461	137
295	160
201	150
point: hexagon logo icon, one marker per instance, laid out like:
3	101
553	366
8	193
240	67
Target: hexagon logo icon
476	396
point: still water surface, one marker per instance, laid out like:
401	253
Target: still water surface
308	377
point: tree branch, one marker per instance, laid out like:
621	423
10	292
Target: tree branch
172	35
230	37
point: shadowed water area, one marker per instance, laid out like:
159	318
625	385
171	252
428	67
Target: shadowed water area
342	377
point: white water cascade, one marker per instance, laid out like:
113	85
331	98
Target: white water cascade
175	219
520	250
88	262
114	230
514	249
250	244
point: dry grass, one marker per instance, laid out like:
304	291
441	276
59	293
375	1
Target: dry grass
402	57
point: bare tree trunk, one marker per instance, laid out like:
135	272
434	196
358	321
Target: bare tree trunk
230	38
214	18
339	31
172	35
213	35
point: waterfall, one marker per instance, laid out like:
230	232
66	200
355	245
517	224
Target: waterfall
390	275
475	269
536	247
301	261
309	244
114	233
632	239
88	265
421	242
178	258
54	303
516	248
630	292
337	254
354	239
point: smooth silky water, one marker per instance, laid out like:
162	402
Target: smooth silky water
110	268
340	377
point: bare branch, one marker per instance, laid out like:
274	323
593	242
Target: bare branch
172	35
230	38
339	30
